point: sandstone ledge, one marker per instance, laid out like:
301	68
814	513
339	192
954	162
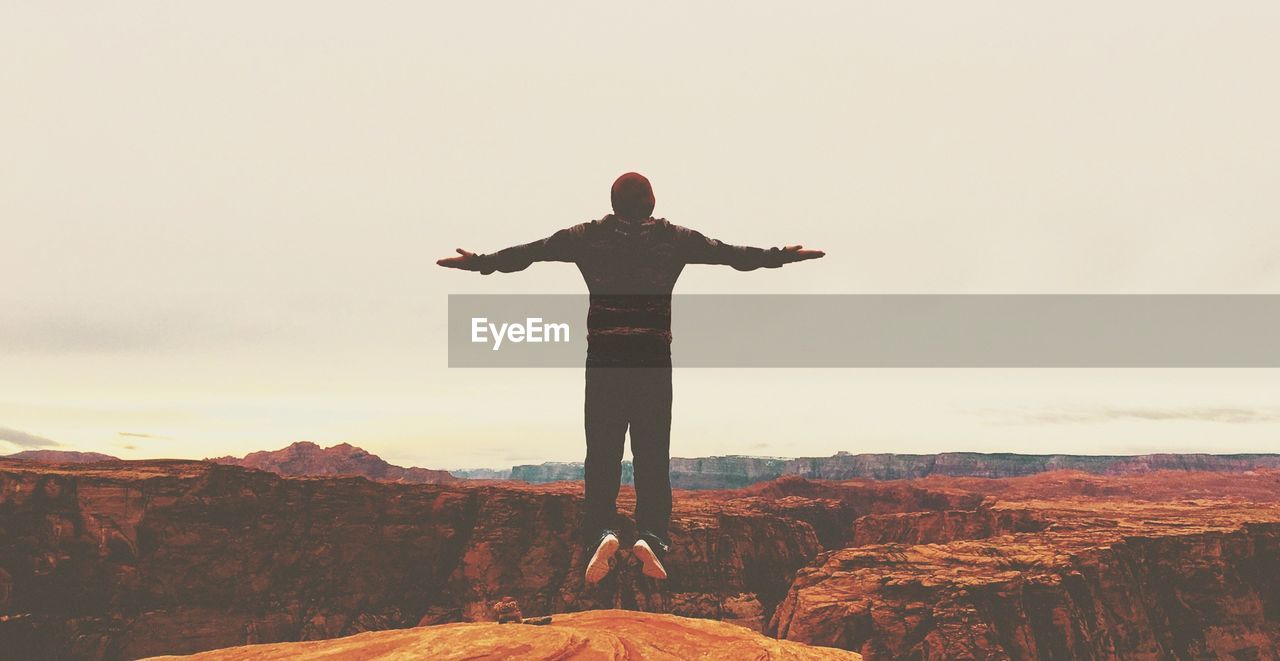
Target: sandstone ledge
601	634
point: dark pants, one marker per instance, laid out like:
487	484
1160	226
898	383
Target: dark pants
618	397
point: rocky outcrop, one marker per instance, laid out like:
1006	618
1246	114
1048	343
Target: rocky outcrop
739	471
60	456
731	472
1105	578
481	473
724	472
129	559
559	471
125	559
845	466
603	635
697	473
306	459
943	526
833	508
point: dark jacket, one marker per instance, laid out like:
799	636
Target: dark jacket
630	269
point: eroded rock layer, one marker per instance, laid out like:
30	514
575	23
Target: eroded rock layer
1130	570
601	635
135	558
129	559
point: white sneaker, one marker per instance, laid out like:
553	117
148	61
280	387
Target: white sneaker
652	565
598	568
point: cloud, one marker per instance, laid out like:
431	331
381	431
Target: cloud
24	440
140	435
1221	414
122	333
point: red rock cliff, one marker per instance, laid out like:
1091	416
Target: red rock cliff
1101	577
137	558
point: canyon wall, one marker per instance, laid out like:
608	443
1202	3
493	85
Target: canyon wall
1073	579
727	472
845	466
739	471
128	559
124	559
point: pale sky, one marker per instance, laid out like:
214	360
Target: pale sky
219	221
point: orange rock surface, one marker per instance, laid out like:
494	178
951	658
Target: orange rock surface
125	559
1059	566
602	634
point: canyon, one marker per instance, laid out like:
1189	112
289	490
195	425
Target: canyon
304	458
1068	566
126	559
130	559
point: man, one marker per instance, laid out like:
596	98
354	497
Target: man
630	262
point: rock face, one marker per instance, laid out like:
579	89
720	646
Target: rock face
602	634
739	471
942	526
120	560
845	466
481	473
724	472
835	509
135	558
305	459
559	471
698	473
1041	572
732	472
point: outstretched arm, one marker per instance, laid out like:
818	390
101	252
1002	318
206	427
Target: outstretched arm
559	247
698	249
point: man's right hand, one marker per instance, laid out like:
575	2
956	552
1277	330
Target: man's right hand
467	261
799	254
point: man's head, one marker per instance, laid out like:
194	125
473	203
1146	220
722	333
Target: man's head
632	197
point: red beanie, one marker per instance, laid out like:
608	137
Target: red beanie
632	197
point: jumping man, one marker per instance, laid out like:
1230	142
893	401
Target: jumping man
630	261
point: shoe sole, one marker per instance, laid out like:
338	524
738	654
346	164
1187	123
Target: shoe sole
652	565
598	568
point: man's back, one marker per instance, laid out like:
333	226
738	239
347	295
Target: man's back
619	257
631	256
631	267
